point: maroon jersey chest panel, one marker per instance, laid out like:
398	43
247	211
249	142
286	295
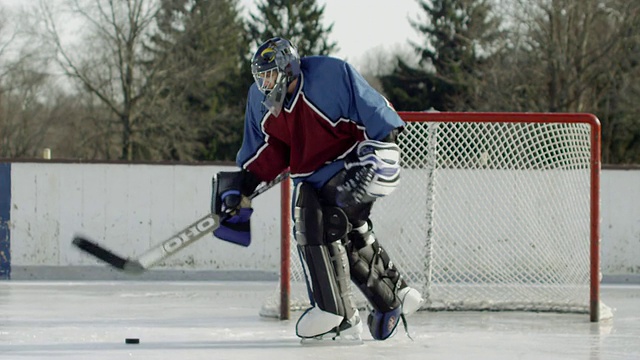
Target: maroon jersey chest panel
313	139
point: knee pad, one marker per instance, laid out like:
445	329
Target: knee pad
315	224
319	232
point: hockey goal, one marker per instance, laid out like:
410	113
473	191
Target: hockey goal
495	211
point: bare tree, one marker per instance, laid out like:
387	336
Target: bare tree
573	56
6	123
108	63
27	95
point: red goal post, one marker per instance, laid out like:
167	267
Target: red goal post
495	211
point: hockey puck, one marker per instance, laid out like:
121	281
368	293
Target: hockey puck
132	341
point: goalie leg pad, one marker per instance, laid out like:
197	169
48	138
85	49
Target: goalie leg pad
319	238
329	275
373	271
379	280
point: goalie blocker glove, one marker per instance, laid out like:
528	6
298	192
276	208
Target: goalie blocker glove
230	201
373	171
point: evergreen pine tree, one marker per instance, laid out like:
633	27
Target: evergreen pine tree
299	21
197	50
459	36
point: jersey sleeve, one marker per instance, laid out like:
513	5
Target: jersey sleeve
263	155
367	107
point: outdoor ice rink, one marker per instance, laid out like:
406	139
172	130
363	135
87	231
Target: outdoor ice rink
219	320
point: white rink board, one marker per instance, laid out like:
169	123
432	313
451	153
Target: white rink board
131	207
620	226
128	208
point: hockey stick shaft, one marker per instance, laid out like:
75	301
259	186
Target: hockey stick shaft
163	250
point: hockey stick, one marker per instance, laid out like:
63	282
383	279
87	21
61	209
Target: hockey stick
159	252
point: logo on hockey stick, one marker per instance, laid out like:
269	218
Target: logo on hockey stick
190	234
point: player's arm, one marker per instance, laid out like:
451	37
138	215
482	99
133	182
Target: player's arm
368	108
373	167
261	159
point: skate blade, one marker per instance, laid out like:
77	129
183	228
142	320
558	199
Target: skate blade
332	340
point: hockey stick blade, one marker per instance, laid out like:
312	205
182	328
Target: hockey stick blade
159	252
118	262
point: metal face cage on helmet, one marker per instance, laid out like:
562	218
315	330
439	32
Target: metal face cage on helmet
274	66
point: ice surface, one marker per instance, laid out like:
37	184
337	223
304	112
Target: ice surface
219	320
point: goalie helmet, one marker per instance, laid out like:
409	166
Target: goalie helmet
274	66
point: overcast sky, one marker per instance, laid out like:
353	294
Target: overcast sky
359	26
362	25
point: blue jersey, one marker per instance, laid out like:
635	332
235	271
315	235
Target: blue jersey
332	109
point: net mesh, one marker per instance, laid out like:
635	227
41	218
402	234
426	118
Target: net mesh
488	216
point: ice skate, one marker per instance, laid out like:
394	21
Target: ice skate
349	332
411	300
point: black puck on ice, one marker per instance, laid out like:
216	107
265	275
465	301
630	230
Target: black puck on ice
132	341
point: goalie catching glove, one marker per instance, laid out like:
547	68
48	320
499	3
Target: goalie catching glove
373	171
229	200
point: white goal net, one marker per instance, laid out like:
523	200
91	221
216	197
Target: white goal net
495	211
